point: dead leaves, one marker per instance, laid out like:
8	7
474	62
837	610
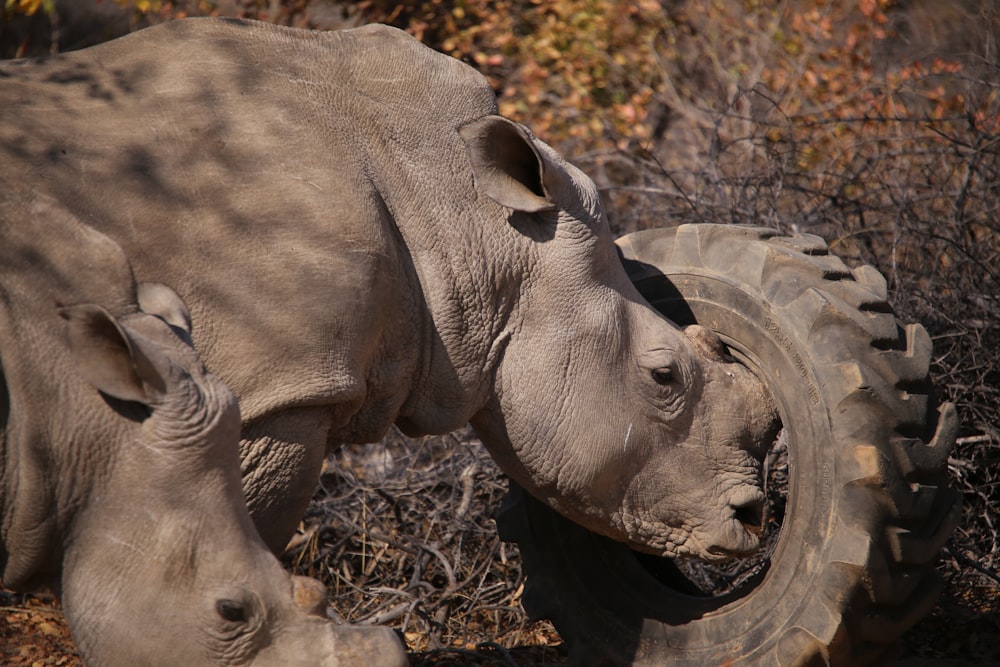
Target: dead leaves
33	633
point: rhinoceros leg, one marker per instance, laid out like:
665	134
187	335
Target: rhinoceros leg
282	457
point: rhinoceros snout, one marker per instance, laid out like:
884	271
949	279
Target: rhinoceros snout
369	647
352	645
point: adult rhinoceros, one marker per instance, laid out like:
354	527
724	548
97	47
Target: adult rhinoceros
119	471
363	242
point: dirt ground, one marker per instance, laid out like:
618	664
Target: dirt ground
33	633
443	493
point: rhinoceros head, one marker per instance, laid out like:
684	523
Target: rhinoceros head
163	566
619	419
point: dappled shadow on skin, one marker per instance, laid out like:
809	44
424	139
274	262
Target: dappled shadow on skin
228	188
223	175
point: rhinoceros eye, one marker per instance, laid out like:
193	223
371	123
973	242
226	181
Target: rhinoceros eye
664	376
231	610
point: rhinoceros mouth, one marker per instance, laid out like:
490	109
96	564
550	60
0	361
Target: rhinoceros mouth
737	526
748	542
758	511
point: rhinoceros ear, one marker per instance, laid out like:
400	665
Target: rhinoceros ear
507	167
109	358
160	300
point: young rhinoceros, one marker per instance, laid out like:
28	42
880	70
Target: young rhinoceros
119	472
367	243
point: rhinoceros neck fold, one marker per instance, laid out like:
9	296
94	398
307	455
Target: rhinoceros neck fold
465	300
46	472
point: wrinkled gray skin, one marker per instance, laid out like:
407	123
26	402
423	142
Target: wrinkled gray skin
119	474
364	242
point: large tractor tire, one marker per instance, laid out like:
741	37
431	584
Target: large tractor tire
865	507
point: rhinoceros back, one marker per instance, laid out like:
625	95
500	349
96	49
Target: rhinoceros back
262	171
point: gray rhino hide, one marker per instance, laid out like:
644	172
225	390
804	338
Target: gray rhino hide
119	475
357	252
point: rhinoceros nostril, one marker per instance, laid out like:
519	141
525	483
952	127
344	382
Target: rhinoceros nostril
751	514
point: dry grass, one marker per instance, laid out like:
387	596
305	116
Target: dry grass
402	534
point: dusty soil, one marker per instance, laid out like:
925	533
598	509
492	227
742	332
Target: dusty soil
33	632
402	534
